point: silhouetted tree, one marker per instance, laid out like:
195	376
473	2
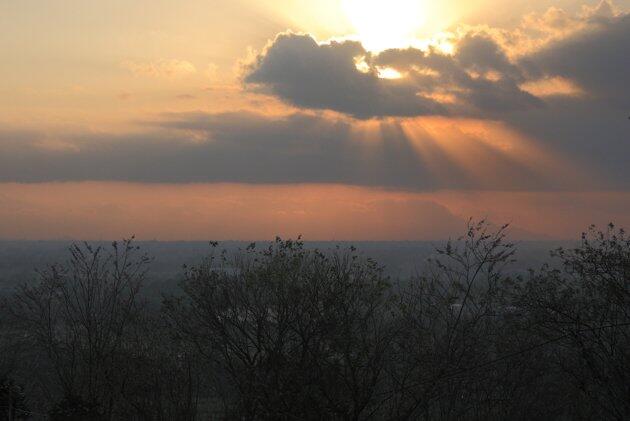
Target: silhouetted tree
12	401
452	317
290	333
287	332
80	315
163	375
74	408
582	308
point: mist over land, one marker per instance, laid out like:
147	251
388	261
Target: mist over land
20	260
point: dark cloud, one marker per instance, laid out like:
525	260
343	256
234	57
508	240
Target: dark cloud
309	75
593	134
299	148
598	59
479	78
481	54
593	128
590	128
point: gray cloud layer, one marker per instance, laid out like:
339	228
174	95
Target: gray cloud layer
479	78
309	75
598	59
252	148
591	131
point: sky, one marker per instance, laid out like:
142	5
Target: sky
331	119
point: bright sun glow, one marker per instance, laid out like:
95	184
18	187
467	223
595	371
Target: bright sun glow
389	73
382	24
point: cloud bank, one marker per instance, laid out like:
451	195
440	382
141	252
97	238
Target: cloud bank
502	112
477	80
484	77
246	147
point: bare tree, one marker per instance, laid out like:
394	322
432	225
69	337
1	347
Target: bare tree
286	332
163	376
454	319
583	309
290	333
79	315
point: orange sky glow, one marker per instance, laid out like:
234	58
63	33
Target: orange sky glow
318	212
335	119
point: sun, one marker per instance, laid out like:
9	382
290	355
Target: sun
383	24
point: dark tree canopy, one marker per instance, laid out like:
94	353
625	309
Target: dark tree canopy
286	332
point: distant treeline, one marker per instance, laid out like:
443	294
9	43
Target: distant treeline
286	332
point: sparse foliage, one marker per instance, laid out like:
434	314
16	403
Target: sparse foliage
583	307
287	332
80	315
291	333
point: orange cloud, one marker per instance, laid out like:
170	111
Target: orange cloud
170	69
552	86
